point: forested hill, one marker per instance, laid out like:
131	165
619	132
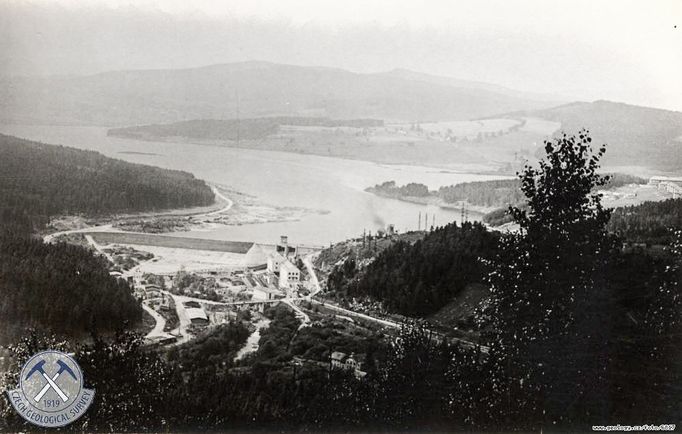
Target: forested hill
39	180
418	279
649	222
60	288
637	136
257	88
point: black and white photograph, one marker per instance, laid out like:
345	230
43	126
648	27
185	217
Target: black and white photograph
324	216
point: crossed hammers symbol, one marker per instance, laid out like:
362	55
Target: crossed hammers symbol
50	381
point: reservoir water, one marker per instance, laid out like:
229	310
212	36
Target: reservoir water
332	186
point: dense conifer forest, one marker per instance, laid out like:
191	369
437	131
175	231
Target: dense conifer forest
418	279
39	181
578	332
495	193
59	287
484	193
649	222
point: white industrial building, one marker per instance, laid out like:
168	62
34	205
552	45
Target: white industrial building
262	293
255	257
197	315
655	180
275	260
672	188
289	275
667	184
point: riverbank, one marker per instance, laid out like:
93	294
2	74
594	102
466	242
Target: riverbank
436	201
231	208
174	218
383	148
314	200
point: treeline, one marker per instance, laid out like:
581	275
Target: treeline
212	352
649	222
501	215
441	386
418	279
617	180
40	181
637	136
61	288
480	193
391	189
483	193
577	332
234	129
494	193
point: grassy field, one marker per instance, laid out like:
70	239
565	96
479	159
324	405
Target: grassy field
461	129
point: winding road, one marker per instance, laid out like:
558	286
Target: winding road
101	228
185	322
222	210
305	319
99	248
157	331
308	262
160	320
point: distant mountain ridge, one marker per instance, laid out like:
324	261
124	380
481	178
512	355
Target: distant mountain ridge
636	136
250	89
554	100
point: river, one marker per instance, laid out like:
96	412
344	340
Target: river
332	186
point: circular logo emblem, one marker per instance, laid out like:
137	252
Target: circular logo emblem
51	391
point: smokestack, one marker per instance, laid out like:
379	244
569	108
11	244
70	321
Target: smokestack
426	221
419	225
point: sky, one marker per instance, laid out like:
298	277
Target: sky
620	50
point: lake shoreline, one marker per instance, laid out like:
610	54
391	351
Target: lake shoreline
436	201
231	208
310	198
456	168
